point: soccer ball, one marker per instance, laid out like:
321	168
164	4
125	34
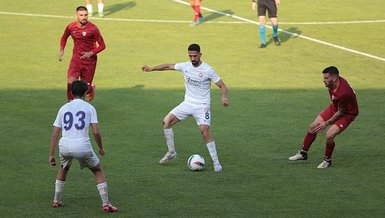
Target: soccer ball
196	162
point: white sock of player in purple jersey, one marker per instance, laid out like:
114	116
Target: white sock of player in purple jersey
103	192
213	152
59	185
169	135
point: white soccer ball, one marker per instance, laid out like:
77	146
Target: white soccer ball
196	162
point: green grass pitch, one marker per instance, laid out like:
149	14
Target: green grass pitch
274	94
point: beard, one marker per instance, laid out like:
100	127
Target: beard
195	63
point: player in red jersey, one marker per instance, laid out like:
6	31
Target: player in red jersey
339	114
196	6
87	43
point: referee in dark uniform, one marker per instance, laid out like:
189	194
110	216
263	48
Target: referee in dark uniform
271	7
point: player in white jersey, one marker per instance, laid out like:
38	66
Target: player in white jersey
73	121
198	77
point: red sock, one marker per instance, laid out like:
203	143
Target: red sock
197	12
329	150
308	140
90	88
69	93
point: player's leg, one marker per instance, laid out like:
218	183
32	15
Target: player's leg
262	31
89	7
196	15
309	138
87	75
211	147
100	8
102	187
169	121
72	75
262	22
338	127
179	113
272	12
274	22
332	132
60	179
202	115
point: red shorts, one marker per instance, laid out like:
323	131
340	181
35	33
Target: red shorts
342	123
84	71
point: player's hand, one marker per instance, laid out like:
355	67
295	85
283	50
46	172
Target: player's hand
52	160
253	6
102	152
87	55
61	54
146	68
277	2
225	101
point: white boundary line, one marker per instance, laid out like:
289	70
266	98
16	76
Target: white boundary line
245	20
182	21
333	22
113	19
290	33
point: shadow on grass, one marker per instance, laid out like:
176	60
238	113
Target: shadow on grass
254	137
286	36
216	15
110	9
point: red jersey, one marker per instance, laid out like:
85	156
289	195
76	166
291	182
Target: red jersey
344	97
85	39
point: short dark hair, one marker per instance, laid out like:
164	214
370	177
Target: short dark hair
79	88
332	70
194	47
81	8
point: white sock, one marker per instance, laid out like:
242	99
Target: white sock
100	7
59	185
103	192
169	134
89	8
213	152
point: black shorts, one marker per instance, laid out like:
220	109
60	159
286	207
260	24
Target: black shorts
269	6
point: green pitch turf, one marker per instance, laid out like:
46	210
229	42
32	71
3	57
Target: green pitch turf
274	94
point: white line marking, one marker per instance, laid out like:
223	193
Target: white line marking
290	33
211	10
333	22
115	19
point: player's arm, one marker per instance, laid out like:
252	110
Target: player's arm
340	112
277	2
63	42
224	92
336	116
99	48
54	140
159	67
253	4
98	137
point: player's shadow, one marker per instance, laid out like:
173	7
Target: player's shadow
216	15
292	32
110	9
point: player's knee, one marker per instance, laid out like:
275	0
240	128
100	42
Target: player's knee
330	137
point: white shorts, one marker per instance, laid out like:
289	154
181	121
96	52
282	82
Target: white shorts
86	159
200	112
